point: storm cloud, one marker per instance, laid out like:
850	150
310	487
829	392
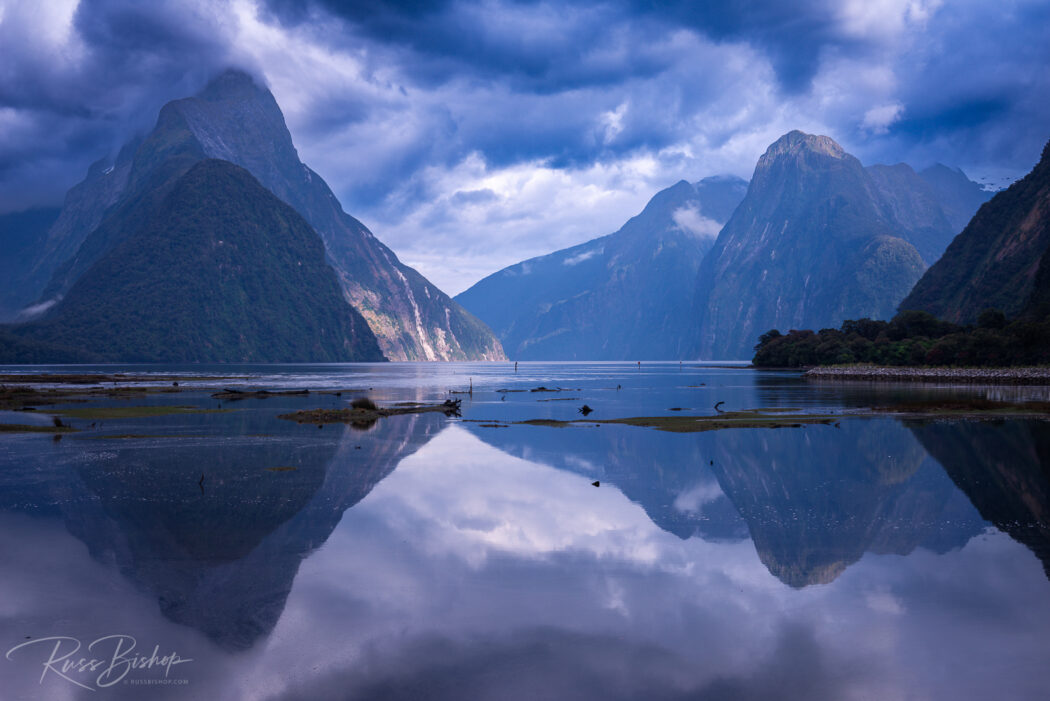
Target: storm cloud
568	116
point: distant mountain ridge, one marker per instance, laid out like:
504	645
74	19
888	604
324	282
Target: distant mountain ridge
236	120
999	260
622	296
959	197
816	238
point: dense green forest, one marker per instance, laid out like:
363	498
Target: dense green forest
219	270
913	338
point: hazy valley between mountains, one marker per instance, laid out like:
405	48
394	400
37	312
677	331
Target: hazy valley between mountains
208	240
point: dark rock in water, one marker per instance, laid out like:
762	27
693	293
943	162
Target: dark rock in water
812	243
999	260
621	296
219	270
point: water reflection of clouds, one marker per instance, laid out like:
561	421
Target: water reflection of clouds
583	587
468	573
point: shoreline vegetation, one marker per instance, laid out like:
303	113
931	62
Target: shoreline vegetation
913	339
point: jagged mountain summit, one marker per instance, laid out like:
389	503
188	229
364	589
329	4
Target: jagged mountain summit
237	120
999	260
816	240
218	270
622	296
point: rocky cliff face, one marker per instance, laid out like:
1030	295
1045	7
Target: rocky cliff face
812	243
914	208
996	259
237	120
623	296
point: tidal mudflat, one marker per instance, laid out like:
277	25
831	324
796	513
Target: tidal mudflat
812	540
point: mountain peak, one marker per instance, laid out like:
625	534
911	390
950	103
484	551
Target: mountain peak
232	84
797	142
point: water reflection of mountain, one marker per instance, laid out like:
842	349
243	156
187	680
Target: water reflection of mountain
223	561
1004	468
668	475
817	498
813	499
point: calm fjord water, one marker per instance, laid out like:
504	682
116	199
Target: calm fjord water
434	557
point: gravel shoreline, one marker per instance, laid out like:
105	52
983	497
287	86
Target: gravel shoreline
1001	376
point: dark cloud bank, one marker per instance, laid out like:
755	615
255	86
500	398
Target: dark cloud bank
389	100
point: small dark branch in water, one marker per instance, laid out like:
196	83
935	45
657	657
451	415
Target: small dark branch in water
718	405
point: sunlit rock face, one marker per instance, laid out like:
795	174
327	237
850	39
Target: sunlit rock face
236	119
